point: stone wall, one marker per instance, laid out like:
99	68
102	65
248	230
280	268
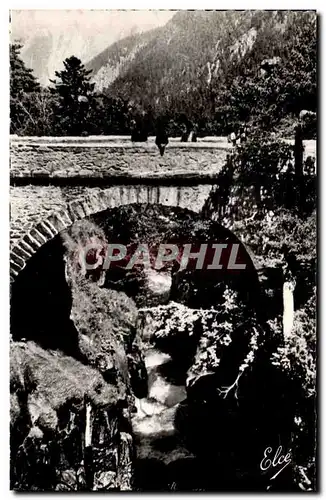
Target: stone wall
112	160
38	213
55	181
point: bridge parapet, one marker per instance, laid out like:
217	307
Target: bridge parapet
47	159
56	180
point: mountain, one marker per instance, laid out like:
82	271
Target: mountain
214	71
45	51
112	62
49	37
188	39
197	53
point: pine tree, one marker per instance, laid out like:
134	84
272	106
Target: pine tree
75	97
23	86
21	78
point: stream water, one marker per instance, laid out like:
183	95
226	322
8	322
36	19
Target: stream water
159	446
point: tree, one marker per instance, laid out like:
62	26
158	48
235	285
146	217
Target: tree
21	78
276	80
23	87
75	97
42	112
109	115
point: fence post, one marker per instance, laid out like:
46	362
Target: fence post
298	164
288	300
88	451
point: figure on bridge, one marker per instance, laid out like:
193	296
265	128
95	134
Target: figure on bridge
162	139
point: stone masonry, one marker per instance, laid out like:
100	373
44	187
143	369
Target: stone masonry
55	182
58	180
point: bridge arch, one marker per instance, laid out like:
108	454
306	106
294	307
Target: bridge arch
192	198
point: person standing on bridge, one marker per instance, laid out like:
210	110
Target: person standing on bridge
162	139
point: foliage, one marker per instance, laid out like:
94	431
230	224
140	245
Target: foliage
70	107
206	335
268	234
259	163
298	356
221	85
21	78
23	90
280	231
109	116
275	221
262	72
39	118
297	359
75	93
262	171
287	85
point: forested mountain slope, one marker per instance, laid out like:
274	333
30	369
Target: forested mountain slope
234	63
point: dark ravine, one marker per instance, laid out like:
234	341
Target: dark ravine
100	401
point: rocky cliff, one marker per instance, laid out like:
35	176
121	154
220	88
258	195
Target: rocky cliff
71	399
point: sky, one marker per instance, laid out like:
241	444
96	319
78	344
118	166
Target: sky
115	23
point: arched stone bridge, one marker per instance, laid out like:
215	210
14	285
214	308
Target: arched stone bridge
56	181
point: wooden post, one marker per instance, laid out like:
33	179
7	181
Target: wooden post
288	309
298	165
288	298
88	455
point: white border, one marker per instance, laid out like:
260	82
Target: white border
168	4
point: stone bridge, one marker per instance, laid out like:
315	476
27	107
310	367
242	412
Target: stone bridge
56	181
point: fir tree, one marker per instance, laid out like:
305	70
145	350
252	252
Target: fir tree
23	86
75	97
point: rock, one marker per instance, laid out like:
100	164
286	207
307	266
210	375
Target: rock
126	456
67	481
35	432
158	286
304	113
104	481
